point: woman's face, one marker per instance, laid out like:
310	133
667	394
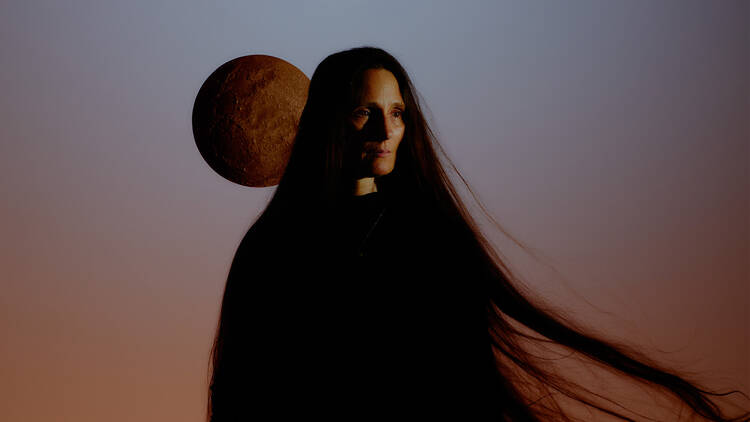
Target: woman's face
377	123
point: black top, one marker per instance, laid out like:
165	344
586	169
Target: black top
361	216
397	332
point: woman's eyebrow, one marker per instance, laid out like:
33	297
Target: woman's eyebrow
393	104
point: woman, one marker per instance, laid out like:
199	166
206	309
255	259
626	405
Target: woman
365	290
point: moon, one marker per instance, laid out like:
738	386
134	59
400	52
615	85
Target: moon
245	118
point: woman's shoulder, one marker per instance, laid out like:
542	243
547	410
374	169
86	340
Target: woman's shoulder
259	248
254	241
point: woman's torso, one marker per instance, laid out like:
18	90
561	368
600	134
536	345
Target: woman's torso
378	316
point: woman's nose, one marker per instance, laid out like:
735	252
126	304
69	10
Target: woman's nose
380	127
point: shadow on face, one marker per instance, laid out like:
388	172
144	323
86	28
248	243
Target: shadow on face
377	123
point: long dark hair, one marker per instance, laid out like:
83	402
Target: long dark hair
319	173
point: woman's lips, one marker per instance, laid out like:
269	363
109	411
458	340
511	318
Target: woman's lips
379	152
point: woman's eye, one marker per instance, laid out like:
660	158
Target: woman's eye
362	113
398	113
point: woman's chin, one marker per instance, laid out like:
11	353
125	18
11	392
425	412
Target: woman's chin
381	171
380	167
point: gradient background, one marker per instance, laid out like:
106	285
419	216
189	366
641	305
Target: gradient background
611	137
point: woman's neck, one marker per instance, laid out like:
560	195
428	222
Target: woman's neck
364	186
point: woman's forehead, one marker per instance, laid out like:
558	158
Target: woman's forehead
377	84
